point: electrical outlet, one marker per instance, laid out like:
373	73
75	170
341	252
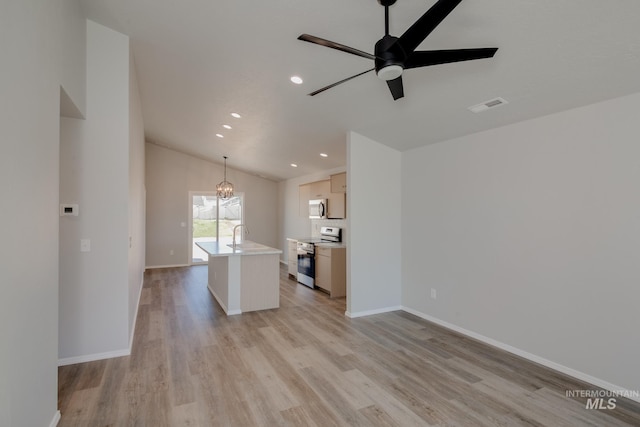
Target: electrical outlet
85	245
433	293
171	252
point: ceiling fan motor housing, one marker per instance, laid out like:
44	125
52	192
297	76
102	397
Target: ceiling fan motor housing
390	58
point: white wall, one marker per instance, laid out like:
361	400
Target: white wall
41	44
373	256
96	287
137	202
170	176
529	233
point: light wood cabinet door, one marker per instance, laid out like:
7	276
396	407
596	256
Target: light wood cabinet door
323	270
293	257
320	190
339	183
337	208
331	271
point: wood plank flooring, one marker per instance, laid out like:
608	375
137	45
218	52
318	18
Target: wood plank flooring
306	364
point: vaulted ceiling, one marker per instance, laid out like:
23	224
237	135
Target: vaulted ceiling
198	61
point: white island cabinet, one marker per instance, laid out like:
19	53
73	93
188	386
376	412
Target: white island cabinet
244	278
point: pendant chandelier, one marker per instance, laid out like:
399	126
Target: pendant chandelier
224	190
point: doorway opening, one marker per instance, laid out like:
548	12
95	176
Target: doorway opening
212	220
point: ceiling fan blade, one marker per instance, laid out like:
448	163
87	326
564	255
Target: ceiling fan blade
426	24
314	93
334	45
435	57
396	88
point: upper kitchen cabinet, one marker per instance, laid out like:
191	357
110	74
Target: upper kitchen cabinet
304	196
337	208
336	202
339	183
320	190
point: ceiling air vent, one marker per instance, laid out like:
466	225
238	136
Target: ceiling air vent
492	103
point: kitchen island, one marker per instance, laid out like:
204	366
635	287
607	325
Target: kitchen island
245	277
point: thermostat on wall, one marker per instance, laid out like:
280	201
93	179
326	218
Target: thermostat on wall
69	210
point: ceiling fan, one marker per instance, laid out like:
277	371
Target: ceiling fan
393	55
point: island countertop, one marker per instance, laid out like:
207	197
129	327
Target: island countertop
244	278
246	247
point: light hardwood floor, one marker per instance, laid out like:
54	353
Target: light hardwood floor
306	364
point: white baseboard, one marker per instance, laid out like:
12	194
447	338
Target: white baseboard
222	304
151	267
55	420
135	316
524	354
371	312
93	357
109	354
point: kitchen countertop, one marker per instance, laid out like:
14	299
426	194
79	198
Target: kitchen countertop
319	244
246	247
330	245
297	239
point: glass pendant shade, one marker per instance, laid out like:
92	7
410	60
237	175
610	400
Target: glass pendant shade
224	190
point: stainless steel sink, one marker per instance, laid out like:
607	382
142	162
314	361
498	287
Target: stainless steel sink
245	245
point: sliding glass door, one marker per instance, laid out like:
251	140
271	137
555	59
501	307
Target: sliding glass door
230	215
212	219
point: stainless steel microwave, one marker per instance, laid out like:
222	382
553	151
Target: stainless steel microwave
318	208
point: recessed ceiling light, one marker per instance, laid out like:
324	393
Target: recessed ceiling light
324	155
296	79
236	115
226	126
219	135
293	165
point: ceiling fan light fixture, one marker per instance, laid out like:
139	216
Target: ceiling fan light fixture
390	72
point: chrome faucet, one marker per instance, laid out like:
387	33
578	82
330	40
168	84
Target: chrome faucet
246	230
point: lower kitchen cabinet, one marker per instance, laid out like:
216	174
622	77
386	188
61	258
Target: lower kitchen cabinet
331	270
293	257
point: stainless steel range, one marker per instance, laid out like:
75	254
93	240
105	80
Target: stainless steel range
307	251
